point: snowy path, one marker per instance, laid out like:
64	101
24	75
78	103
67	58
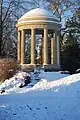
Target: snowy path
57	109
40	108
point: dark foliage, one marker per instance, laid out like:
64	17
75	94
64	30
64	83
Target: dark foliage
70	45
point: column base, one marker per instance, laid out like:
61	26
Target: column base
46	67
32	64
27	67
45	64
51	67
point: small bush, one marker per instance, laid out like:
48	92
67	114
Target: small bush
27	80
8	68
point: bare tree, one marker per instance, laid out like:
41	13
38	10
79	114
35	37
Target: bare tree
62	7
10	11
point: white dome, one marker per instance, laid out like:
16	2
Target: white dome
38	13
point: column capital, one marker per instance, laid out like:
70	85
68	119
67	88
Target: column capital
19	30
57	32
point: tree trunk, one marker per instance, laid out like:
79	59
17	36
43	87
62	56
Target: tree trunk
1	1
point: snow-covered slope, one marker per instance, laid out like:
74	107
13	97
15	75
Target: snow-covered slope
12	85
57	99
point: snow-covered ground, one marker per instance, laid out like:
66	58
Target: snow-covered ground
55	97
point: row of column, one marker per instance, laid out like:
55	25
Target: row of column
54	47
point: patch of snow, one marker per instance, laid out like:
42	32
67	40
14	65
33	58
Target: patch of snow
38	12
57	99
39	80
78	71
50	76
15	81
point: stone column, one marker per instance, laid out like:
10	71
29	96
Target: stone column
45	47
22	47
52	50
58	49
42	49
32	46
19	46
55	47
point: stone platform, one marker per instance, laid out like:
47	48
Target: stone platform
49	67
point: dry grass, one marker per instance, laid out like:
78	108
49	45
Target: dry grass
8	67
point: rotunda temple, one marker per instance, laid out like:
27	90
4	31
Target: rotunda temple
40	22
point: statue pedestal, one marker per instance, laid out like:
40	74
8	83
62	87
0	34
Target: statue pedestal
38	60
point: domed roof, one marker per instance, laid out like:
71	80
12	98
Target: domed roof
34	15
